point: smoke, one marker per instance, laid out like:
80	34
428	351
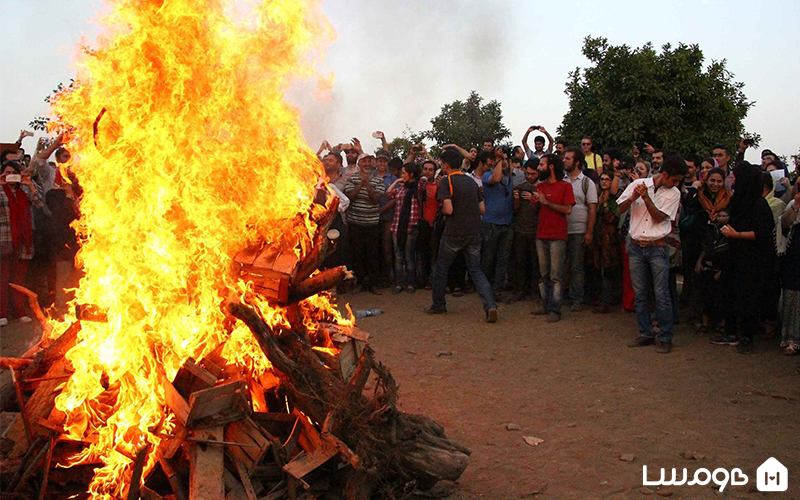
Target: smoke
397	63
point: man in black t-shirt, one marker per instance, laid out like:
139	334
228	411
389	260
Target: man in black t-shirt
462	204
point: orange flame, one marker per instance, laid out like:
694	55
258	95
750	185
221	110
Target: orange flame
196	155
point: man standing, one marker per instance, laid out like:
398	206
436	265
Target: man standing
555	199
580	223
498	195
526	219
488	145
594	162
365	191
654	204
517	172
656	162
430	205
386	210
723	157
462	204
538	142
561	147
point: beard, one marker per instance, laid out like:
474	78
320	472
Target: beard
544	175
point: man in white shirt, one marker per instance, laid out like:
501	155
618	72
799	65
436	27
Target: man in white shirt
580	223
654	204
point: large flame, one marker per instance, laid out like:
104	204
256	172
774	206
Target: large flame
186	153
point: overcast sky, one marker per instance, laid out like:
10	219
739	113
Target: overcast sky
397	63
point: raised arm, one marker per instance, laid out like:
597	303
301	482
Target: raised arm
497	173
525	139
549	139
461	150
46	152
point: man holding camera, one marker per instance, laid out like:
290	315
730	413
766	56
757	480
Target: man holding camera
497	233
538	142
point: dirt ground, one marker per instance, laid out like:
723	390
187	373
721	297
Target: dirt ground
576	386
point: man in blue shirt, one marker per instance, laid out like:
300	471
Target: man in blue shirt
498	191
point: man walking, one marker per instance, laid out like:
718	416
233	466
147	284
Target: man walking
580	223
654	204
555	199
498	193
462	204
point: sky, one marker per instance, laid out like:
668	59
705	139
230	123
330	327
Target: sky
397	63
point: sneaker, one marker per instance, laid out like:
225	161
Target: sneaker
411	289
3	321
540	312
576	307
663	347
431	310
457	292
553	317
397	290
724	339
25	319
491	316
745	346
789	350
641	341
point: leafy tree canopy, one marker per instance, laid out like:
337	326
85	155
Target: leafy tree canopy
468	123
667	99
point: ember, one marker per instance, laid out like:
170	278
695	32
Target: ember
197	211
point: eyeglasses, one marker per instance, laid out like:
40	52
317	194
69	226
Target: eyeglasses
586	144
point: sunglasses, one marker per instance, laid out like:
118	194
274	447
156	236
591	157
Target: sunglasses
586	144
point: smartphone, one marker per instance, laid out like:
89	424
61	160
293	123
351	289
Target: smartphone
13	178
749	142
376	135
416	149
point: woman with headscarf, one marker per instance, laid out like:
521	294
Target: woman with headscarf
752	257
788	243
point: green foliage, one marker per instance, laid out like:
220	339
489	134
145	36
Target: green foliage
400	146
42	122
467	123
666	99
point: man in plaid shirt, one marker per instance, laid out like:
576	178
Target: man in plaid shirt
405	191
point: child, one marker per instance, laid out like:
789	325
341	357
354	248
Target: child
712	266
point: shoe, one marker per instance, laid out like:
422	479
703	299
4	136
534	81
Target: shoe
576	307
491	316
553	317
397	290
540	312
745	346
724	339
601	310
641	341
3	321
410	289
25	319
790	350
702	331
663	347
431	310
457	292
374	290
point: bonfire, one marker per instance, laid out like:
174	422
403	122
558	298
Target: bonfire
202	357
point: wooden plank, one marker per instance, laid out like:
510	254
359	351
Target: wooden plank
247	432
215	400
348	359
148	494
206	467
234	487
356	333
175	401
309	438
304	463
39	405
267	472
245	478
286	262
193	377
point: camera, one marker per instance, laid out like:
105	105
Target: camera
13	178
749	142
416	148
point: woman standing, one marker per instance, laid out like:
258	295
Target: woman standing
16	236
788	235
752	253
605	254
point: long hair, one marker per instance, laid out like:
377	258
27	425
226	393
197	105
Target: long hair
747	190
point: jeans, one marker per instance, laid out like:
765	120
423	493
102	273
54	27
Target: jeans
525	257
552	254
448	248
425	254
651	264
496	250
405	259
364	241
577	276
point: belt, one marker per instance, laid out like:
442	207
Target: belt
660	242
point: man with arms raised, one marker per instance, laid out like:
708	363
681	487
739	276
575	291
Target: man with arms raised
538	142
462	204
654	204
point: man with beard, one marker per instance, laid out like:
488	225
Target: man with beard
555	199
580	223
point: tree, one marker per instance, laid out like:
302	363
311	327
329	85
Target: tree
667	100
401	146
468	123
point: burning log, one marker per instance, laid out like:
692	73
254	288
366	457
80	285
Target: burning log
14	363
320	282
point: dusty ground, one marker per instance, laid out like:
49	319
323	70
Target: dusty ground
580	389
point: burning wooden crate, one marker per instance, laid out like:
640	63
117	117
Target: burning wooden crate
323	423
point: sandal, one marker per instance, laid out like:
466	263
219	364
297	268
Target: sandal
701	331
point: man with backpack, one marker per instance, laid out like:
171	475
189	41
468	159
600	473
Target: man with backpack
580	223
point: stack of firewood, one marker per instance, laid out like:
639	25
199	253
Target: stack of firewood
323	423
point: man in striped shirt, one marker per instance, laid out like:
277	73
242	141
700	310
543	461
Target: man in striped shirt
365	191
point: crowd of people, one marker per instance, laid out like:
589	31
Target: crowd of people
567	225
563	224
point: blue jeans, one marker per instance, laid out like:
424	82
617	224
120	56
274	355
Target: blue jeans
497	241
651	264
552	254
405	259
448	248
577	276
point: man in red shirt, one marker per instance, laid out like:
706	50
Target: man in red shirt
430	205
555	199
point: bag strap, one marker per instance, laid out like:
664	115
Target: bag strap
450	182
